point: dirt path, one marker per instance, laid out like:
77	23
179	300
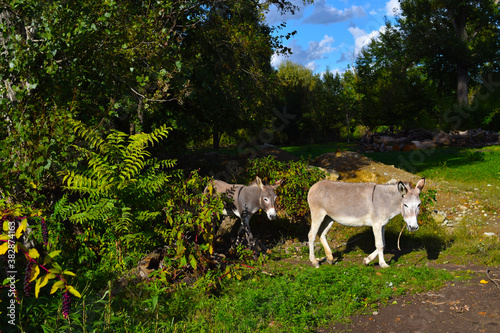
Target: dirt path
472	306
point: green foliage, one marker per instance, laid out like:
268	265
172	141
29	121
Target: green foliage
394	91
296	86
455	42
119	187
191	221
297	179
230	72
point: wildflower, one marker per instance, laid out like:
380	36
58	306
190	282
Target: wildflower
66	306
27	276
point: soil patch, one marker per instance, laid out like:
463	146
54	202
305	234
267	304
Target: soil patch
471	306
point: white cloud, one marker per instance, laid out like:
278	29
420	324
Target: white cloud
362	38
317	50
312	66
324	14
393	8
306	57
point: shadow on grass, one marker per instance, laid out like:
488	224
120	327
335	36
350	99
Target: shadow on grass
269	233
432	244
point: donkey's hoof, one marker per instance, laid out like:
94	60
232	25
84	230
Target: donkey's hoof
315	263
383	265
259	246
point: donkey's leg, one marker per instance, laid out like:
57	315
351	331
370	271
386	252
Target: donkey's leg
322	237
379	233
245	224
241	230
317	217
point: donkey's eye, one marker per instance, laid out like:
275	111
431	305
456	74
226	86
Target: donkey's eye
266	199
406	206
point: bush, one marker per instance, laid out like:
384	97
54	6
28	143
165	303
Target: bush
297	178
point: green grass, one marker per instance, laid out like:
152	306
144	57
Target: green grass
300	300
464	169
314	151
458	164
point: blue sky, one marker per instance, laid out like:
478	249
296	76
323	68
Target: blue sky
331	33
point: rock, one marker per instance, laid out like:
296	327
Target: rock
226	227
442	138
438	216
427	144
365	176
331	174
145	266
390	140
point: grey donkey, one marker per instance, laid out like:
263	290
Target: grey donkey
361	204
245	201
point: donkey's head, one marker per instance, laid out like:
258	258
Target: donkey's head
267	198
410	205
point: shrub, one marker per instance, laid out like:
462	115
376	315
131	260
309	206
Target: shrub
297	177
117	192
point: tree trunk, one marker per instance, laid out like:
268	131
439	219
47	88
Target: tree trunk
462	86
347	123
216	140
459	21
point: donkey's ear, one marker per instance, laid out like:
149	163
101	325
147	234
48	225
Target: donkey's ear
420	184
402	188
258	181
277	183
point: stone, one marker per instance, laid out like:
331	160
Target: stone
331	174
226	227
438	216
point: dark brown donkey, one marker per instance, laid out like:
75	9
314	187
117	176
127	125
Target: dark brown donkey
244	201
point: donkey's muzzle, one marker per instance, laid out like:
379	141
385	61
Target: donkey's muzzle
412	228
271	214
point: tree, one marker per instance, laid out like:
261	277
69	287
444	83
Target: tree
230	71
297	84
325	110
394	89
350	98
451	37
105	63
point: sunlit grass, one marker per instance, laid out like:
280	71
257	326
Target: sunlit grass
300	300
313	151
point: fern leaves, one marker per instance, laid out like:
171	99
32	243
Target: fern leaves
119	181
